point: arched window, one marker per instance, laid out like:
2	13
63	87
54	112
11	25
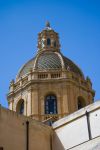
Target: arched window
21	110
50	104
54	43
81	102
20	107
48	42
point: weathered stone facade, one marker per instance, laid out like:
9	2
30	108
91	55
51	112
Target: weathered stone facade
49	73
16	135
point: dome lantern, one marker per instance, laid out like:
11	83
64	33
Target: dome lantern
48	39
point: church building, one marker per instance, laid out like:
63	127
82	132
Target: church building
49	85
51	103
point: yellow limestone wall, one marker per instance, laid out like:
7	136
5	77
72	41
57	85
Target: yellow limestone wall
13	132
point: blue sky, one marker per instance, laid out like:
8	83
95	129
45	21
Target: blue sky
76	21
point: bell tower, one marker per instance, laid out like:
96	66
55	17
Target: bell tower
48	39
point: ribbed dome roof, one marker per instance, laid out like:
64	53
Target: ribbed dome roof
49	60
69	65
26	68
49	57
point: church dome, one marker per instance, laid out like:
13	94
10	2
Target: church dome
49	56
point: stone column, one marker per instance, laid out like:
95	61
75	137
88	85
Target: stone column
59	102
25	107
35	108
65	101
11	105
29	103
70	97
42	107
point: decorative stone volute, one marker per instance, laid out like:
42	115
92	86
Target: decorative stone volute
89	82
11	87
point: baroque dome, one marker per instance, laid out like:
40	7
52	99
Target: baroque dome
49	60
49	56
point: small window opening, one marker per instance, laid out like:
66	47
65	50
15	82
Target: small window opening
81	103
48	42
55	44
20	107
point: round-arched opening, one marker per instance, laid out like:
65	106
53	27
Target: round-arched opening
50	104
48	42
20	107
81	102
55	44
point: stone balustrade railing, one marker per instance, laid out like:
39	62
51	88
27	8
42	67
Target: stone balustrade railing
41	76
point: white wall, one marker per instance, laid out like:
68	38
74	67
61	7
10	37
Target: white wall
73	133
13	131
95	123
73	129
